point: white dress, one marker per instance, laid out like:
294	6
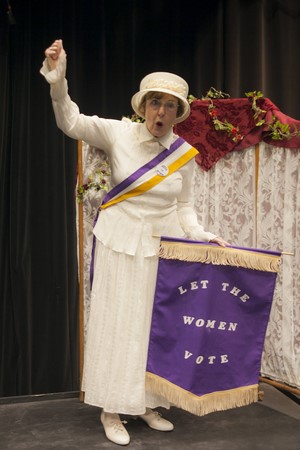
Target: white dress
126	260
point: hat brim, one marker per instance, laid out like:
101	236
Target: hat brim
137	99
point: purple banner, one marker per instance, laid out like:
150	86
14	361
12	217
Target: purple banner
208	326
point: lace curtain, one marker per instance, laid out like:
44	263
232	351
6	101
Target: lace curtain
250	199
92	160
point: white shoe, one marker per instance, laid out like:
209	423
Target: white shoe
114	429
154	420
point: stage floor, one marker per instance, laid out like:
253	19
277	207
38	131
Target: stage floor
66	423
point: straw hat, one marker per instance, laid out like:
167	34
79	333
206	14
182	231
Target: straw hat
165	82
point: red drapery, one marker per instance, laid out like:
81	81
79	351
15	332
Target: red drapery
198	129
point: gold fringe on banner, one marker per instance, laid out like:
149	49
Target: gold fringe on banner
217	255
216	401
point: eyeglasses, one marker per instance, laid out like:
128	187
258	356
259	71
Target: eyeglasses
169	105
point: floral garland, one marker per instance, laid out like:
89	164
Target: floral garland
257	111
136	118
280	131
232	130
277	130
96	181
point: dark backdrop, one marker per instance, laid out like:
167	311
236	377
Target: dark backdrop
235	46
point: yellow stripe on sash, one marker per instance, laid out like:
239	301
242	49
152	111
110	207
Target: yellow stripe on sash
156	179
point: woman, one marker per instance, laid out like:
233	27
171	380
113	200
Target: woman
128	231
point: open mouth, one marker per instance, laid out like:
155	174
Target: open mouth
159	124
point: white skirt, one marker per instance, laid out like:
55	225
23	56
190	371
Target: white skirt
118	333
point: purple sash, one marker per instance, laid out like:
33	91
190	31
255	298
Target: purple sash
116	190
141	171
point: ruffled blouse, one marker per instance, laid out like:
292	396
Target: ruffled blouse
165	210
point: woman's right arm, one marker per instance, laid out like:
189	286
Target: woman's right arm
91	129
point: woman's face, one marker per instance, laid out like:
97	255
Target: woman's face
160	113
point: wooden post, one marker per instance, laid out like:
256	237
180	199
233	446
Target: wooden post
256	190
282	386
81	271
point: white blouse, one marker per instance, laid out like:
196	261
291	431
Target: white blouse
165	210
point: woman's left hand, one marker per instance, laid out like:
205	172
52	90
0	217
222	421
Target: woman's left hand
218	240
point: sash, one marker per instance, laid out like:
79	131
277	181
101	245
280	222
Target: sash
145	178
152	173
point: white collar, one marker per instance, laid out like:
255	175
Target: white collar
165	140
